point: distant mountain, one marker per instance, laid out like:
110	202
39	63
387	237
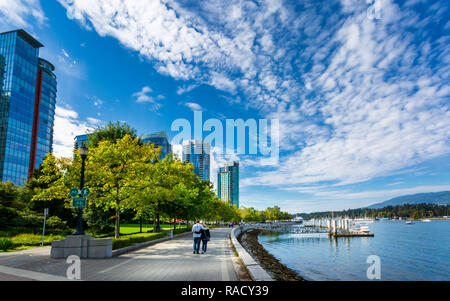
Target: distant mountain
438	198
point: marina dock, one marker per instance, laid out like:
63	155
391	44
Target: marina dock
340	228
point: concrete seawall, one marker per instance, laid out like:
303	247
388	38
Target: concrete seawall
256	271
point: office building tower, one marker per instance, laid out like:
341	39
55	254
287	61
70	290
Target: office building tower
198	153
43	117
228	183
2	73
27	107
80	140
159	139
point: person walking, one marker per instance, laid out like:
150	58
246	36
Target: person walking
206	236
197	233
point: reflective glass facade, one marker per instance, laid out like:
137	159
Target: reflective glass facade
198	153
80	140
44	113
228	183
18	127
159	140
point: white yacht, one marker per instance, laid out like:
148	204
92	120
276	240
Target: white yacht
298	220
363	220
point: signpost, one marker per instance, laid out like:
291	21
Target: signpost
43	229
73	192
79	202
85	192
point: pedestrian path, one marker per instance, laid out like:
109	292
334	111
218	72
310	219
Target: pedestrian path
171	260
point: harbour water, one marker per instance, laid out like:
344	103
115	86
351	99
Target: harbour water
420	251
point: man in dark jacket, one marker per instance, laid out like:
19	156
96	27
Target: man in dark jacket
205	238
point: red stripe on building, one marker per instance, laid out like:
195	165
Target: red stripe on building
34	133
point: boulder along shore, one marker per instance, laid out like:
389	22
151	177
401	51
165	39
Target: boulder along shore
278	271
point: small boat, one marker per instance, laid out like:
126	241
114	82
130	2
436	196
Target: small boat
363	220
409	222
426	220
364	229
298	220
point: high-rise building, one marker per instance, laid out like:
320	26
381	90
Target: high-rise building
159	139
27	107
198	153
228	183
80	140
2	73
43	117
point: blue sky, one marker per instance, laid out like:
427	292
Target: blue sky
363	103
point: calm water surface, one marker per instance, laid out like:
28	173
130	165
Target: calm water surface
408	252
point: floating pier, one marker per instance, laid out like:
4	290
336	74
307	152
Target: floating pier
340	228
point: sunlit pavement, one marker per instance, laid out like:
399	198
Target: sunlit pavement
171	260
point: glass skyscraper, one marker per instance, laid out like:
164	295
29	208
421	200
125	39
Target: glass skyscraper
44	112
228	183
159	139
27	107
198	153
80	140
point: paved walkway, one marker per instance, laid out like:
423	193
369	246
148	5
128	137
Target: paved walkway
167	261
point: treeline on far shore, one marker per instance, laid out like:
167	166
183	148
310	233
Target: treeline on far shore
415	211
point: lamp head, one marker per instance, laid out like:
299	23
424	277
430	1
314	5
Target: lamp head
84	151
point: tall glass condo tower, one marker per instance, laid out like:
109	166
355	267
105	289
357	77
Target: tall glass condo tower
159	139
228	183
198	153
27	106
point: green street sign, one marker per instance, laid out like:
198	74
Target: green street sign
73	192
79	202
85	192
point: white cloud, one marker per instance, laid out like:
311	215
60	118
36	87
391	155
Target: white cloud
177	149
67	126
186	89
65	53
369	196
356	98
144	96
96	101
193	106
19	13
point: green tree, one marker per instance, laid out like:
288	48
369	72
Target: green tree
46	189
111	132
114	169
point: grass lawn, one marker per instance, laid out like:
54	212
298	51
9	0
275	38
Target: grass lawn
25	241
134	228
28	241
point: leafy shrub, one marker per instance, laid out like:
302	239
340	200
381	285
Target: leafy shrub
55	223
179	231
29	219
28	239
128	240
6	244
7	216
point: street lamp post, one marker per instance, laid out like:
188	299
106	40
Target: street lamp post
83	153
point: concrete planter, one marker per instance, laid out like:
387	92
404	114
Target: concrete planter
82	246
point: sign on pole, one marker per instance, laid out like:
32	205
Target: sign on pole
43	229
85	192
79	202
73	192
